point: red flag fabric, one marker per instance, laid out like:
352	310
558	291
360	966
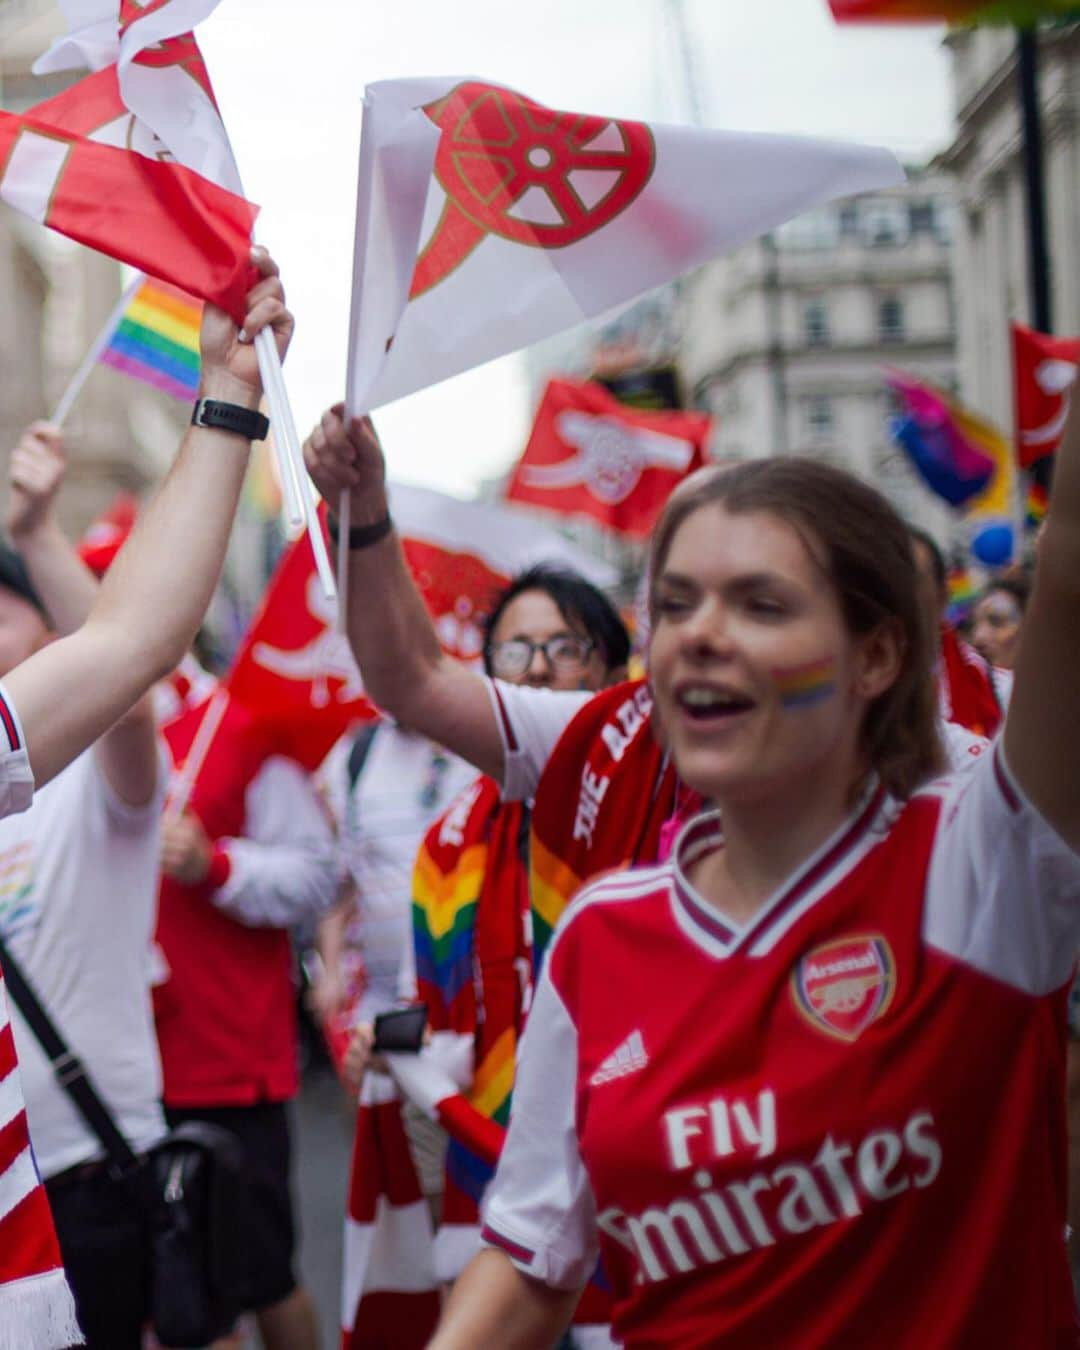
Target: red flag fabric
590	455
1045	371
294	669
159	217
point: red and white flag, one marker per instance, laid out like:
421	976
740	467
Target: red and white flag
162	84
588	454
294	666
1045	370
486	221
159	217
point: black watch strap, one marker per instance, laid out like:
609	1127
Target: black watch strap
361	536
210	412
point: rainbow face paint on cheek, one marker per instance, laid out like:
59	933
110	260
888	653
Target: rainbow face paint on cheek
806	685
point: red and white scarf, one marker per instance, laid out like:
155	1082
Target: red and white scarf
37	1311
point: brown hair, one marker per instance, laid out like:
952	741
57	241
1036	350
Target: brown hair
866	551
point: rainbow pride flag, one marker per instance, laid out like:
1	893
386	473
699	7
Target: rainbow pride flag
962	591
157	339
1035	506
1023	13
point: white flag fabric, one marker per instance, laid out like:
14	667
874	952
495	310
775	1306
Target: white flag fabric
163	81
486	222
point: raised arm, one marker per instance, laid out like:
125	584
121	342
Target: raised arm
157	590
127	753
390	631
1042	729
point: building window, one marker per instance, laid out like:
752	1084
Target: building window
816	322
884	222
818	229
820	424
891	319
849	218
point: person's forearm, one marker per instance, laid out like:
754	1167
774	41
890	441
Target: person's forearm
1042	728
65	584
390	631
494	1304
182	533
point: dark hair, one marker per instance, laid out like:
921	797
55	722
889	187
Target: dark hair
15	577
866	551
577	600
937	558
1017	586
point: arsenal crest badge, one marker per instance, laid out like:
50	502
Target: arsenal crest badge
844	985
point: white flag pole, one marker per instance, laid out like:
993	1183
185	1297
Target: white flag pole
267	354
285	436
90	360
344	524
180	792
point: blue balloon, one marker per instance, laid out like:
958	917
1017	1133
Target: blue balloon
993	545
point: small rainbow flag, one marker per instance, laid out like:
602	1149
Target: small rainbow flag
157	339
962	592
1035	506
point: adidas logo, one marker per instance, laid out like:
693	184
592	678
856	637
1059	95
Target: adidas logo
628	1058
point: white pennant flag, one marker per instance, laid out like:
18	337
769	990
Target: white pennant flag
486	222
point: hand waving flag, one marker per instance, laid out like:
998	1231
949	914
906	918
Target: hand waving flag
486	221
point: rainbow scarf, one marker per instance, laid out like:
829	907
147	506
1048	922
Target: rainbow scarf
470	904
602	804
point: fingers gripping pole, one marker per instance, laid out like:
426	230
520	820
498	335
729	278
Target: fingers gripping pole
267	355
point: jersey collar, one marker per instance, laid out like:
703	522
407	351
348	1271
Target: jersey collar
828	865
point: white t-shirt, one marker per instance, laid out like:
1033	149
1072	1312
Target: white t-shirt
530	723
406	783
78	893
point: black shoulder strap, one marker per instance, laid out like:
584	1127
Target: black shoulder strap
68	1068
359	751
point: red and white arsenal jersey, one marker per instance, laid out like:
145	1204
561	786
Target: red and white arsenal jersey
840	1125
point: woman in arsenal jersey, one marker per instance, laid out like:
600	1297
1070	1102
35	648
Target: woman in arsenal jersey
747	1083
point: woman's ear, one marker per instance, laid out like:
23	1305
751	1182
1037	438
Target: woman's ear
878	659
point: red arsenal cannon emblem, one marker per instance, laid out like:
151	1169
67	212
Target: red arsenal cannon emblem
513	168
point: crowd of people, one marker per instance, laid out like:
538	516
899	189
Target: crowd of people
702	951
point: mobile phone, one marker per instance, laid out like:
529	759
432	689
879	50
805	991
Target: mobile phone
401	1030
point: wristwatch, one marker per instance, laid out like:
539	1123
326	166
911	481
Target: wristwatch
210	412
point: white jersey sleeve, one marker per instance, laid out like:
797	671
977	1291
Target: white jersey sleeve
539	1207
286	870
16	776
1003	889
530	723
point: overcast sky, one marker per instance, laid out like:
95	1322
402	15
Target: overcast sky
290	76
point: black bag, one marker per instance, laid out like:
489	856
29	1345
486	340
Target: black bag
198	1200
193	1184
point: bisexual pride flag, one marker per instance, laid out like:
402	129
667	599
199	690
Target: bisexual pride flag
951	450
157	338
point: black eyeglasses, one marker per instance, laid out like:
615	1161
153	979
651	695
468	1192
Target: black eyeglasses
564	652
